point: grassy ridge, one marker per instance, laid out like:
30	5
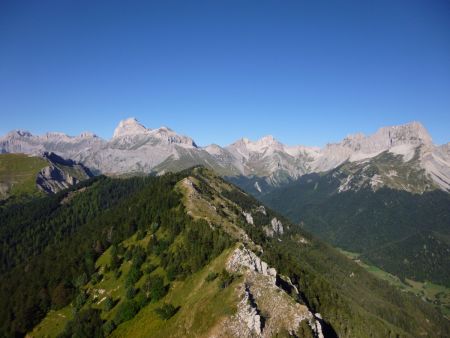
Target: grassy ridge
18	174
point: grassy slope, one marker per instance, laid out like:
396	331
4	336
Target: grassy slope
53	323
18	174
202	304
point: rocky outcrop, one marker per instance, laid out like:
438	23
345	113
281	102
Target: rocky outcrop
265	309
275	228
243	260
130	126
248	314
60	174
51	179
248	217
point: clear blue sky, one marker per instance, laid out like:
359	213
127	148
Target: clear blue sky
306	72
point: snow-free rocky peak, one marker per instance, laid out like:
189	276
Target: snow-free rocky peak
403	139
18	134
130	126
244	146
169	136
412	133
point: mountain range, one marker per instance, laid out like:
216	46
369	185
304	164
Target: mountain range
256	165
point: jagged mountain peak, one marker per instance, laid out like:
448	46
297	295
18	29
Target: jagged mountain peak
259	146
409	133
168	135
129	126
413	133
19	133
403	139
132	127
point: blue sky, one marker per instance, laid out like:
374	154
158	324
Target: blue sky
307	72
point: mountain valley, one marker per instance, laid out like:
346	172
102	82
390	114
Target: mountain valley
149	232
192	242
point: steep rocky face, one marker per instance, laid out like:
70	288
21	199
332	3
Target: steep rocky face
52	179
436	162
387	137
60	174
130	132
129	126
24	175
265	308
269	158
358	147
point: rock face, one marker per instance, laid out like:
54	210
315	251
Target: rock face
130	130
269	158
265	162
248	217
243	259
130	127
51	179
60	174
277	226
265	309
248	315
274	229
